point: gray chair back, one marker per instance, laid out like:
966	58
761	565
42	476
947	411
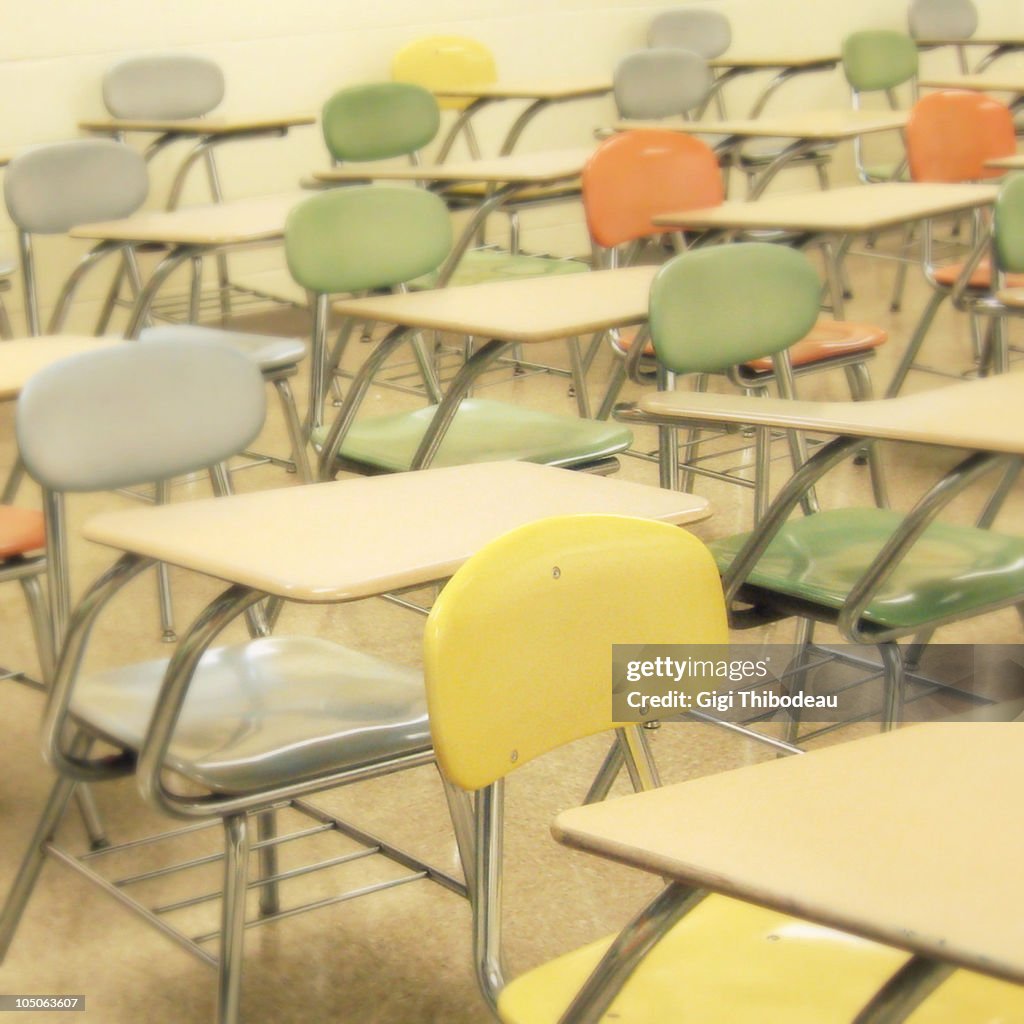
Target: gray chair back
708	33
942	19
52	188
652	84
135	413
166	86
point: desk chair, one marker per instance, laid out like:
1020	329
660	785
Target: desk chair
950	136
50	189
365	238
439	62
1002	247
53	188
385	120
505	688
660	83
256	718
944	19
705	32
177	87
879	60
697	29
634	177
168	87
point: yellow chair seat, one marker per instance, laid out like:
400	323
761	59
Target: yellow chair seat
728	962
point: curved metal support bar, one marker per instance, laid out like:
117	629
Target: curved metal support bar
791	494
631	945
56	715
519	125
903	539
480	215
449	405
783	76
85	264
995	53
714	95
794	151
28	283
356	393
212	620
202	147
461	124
963	298
486	899
318	362
160	143
910	986
144	303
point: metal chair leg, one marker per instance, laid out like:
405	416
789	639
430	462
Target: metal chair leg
798	683
13	482
266	829
914	345
861	391
892	700
232	931
32	863
295	432
896	302
168	634
692	443
606	775
6	331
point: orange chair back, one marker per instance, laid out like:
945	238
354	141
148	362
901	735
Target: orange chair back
951	134
636	175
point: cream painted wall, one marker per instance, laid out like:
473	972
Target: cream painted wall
281	57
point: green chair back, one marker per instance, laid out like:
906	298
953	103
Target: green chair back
879	59
352	239
1008	226
714	308
379	121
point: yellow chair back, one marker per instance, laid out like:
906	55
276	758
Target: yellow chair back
445	62
518	647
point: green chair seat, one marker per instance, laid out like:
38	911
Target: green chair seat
482	431
482	265
951	572
885	172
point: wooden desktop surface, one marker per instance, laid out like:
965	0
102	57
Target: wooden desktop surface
909	838
197	126
215	224
525	310
540	89
528	168
848	210
20	358
980	415
355	538
824	125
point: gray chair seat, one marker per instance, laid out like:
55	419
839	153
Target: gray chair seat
267	712
268	352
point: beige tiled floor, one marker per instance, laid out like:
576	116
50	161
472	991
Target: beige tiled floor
402	956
